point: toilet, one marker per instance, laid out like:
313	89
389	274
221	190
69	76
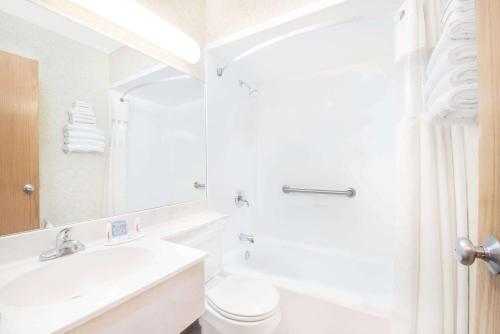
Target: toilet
239	305
233	304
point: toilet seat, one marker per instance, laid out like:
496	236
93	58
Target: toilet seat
243	299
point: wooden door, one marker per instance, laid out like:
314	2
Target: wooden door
18	143
487	310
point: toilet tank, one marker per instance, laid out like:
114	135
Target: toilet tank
208	238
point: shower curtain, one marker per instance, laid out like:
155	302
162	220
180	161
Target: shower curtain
437	182
116	175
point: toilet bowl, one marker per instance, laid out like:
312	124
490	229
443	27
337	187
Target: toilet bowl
240	305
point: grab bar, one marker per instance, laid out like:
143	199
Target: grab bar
199	185
349	192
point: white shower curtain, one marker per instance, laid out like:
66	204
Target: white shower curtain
116	176
437	180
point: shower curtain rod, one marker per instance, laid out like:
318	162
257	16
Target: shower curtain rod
220	70
150	83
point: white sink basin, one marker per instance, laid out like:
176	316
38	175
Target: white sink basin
71	277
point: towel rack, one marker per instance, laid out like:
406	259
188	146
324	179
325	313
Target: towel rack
349	192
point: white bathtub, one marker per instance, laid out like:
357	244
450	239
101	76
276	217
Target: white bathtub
332	291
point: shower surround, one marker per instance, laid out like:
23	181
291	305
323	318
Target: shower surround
323	117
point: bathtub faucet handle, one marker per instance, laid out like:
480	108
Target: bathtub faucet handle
241	200
247	237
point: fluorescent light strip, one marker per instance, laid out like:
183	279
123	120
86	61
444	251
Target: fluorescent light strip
132	16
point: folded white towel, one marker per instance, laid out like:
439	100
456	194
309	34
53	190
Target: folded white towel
465	97
444	114
461	30
460	26
80	120
84	135
449	53
87	112
83	127
82	148
81	115
449	2
79	141
82	104
460	105
460	7
459	76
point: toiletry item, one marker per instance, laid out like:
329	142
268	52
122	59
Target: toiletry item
137	224
117	232
108	232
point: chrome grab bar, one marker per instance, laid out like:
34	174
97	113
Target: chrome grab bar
199	185
349	192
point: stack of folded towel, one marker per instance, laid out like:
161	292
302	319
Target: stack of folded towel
451	88
81	134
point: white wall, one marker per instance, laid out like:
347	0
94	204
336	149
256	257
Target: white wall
71	185
125	63
330	131
231	150
324	118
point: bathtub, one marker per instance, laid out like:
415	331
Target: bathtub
332	291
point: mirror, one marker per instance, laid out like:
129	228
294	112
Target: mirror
90	127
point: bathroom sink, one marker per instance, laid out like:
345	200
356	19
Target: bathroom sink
101	282
74	276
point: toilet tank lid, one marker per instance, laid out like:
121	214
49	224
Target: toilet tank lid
244	297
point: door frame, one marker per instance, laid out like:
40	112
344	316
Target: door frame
486	310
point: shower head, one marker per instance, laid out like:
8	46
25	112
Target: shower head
251	91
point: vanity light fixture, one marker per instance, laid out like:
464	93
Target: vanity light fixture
134	17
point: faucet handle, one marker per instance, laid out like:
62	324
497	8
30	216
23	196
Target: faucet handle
63	235
241	199
247	237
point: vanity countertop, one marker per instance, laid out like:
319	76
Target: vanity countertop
185	224
163	261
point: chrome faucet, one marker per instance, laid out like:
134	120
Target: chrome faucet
247	237
65	245
241	200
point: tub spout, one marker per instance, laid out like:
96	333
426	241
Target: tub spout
247	237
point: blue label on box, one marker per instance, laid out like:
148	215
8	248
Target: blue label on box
119	228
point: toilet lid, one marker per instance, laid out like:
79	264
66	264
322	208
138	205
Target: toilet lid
243	299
